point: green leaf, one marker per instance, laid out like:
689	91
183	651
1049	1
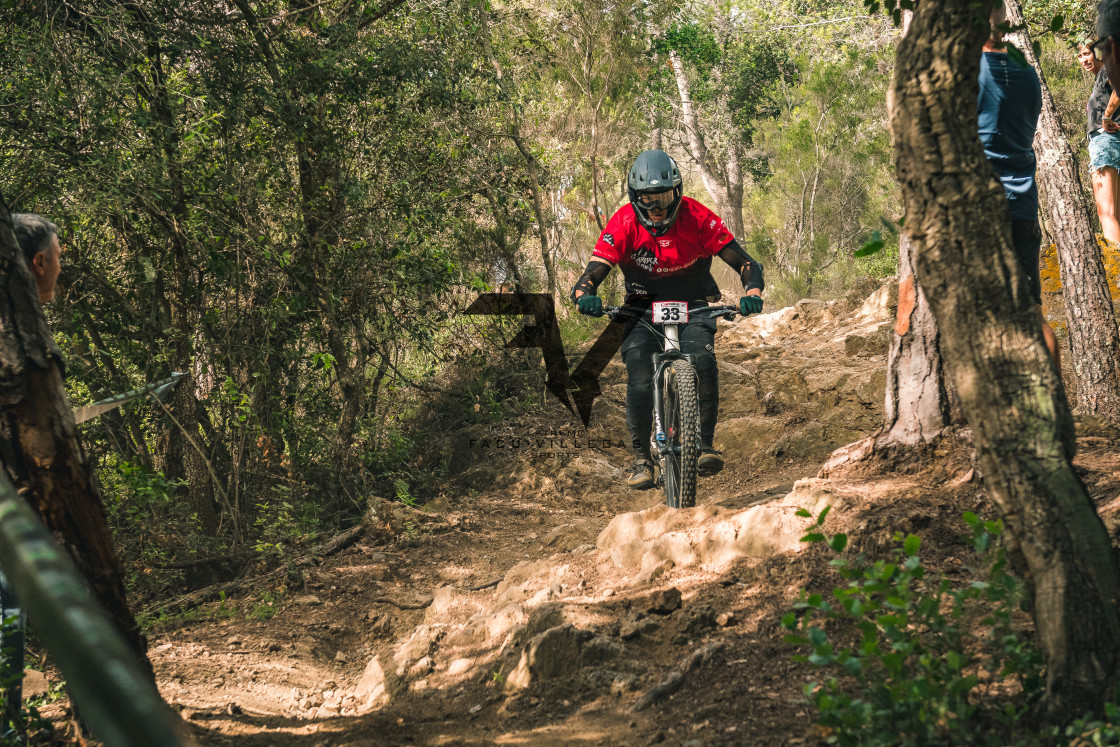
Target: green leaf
1017	55
820	660
796	640
803	512
838	542
889	225
873	246
813	537
824	513
789	621
912	544
982	542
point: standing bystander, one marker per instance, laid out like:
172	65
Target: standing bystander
1009	104
38	240
1104	144
1106	47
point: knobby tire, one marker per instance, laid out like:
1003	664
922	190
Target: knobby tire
681	411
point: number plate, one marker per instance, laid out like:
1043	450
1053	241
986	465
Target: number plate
670	312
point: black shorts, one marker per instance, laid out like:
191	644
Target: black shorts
1026	239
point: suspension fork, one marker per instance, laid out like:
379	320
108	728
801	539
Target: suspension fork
661	361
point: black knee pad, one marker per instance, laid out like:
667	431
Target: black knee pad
639	369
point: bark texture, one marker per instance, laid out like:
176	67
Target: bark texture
725	189
917	403
994	352
39	447
1093	335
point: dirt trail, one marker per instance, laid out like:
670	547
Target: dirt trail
548	604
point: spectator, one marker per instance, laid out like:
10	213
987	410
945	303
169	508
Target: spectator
1105	47
38	239
1104	144
1009	104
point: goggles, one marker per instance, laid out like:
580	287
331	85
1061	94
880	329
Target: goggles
657	200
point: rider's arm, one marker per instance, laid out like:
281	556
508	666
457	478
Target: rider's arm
749	269
596	272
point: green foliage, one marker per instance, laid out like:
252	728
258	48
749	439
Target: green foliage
1089	730
760	64
148	516
28	720
899	647
266	605
291	217
1073	21
283	525
828	180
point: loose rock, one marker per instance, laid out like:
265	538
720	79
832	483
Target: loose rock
665	601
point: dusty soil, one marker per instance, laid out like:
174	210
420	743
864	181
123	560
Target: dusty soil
543	602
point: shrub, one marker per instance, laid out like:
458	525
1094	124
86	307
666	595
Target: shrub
902	650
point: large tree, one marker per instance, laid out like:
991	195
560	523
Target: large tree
994	352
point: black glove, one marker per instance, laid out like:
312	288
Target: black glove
750	305
591	305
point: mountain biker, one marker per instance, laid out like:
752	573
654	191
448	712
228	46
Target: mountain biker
664	242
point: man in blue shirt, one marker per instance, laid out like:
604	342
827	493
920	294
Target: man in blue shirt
1009	104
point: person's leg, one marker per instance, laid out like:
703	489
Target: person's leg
639	397
638	350
1106	195
1026	236
1106	183
698	341
1051	342
12	648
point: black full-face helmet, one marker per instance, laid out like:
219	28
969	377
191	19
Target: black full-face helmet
654	184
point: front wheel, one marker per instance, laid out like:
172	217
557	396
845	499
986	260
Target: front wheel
680	410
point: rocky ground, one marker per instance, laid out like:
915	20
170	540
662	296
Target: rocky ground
543	602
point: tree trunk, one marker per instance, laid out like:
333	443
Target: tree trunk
538	205
991	337
917	403
39	446
727	192
1093	335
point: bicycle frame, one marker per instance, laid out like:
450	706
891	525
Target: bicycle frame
661	361
671	351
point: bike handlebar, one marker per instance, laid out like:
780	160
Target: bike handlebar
631	312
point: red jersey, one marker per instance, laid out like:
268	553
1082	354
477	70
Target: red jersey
676	266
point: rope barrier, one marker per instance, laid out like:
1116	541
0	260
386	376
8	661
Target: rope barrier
160	390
